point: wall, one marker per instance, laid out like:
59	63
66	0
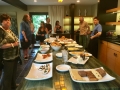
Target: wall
91	10
20	12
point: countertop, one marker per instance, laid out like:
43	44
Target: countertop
115	41
49	84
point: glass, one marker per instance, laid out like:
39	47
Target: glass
65	56
57	37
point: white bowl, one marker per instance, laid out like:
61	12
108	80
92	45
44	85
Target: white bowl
56	48
44	50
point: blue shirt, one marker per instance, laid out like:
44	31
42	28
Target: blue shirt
24	26
97	28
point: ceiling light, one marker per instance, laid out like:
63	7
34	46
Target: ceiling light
35	0
98	0
60	0
78	1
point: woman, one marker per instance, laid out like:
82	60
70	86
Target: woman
58	28
10	46
41	33
25	35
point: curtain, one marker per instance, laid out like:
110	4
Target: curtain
56	13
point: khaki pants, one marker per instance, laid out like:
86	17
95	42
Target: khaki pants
83	40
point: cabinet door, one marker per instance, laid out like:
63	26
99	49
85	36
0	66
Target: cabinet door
117	63
110	62
102	52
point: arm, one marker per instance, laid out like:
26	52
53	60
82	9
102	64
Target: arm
46	30
96	35
61	29
10	45
24	35
55	29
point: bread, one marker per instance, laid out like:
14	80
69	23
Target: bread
101	71
46	55
97	74
82	73
91	76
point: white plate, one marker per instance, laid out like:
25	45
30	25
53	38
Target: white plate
39	58
78	53
75	61
59	54
44	46
78	46
63	68
106	78
36	74
71	45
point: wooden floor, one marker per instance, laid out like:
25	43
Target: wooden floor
22	69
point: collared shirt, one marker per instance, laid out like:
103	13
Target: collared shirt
97	28
24	26
5	38
83	28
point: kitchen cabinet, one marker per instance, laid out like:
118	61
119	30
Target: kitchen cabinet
117	63
102	51
110	61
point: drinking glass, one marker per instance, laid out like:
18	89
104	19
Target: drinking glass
57	37
65	56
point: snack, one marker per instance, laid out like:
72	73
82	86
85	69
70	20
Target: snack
46	55
82	73
101	71
55	44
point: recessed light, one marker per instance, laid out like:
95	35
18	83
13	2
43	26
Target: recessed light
98	0
78	1
60	0
35	0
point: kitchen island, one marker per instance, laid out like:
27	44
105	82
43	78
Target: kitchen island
49	84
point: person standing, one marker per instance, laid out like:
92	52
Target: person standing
58	29
33	41
84	31
25	35
9	44
48	27
96	33
41	33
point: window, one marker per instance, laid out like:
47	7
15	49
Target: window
37	17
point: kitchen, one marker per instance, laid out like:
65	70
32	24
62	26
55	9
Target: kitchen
108	48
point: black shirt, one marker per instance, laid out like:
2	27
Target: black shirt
48	26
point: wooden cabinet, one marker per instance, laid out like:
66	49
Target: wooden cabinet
109	54
117	63
102	51
110	61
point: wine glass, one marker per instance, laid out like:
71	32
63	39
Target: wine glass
65	56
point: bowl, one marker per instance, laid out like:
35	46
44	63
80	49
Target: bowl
56	48
44	50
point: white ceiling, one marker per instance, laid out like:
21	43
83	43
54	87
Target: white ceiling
53	2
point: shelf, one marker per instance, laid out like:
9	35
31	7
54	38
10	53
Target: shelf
113	10
112	23
78	24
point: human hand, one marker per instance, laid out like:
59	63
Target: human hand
26	40
91	37
16	44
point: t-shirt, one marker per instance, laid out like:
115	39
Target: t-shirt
48	26
24	26
97	28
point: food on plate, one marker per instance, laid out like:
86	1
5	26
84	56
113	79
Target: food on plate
80	53
71	49
55	44
47	69
101	71
63	38
46	55
82	73
93	74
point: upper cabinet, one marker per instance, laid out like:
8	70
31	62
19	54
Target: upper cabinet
114	10
67	22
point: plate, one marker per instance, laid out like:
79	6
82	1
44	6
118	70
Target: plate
78	46
73	48
63	68
76	61
39	58
36	74
59	54
78	53
76	78
71	45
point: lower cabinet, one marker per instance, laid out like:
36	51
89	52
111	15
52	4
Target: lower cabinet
110	61
117	63
109	54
